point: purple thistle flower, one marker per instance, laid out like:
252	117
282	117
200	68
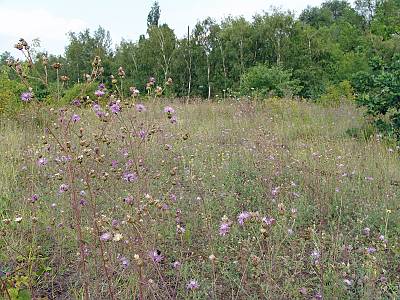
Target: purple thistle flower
156	256
96	107
269	220
114	164
192	285
26	96
128	200
63	188
140	107
99	93
124	261
75	118
130	177
34	198
371	250
105	237
101	86
76	102
243	217
115	108
42	161
142	134
169	110
224	228
172	197
173	120
176	264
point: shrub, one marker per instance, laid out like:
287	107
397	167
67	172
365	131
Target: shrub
9	93
265	81
337	93
379	92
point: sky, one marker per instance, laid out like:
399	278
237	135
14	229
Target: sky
51	20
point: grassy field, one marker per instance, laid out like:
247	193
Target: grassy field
237	200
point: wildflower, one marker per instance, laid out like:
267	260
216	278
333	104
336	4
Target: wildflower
169	110
42	161
115	108
224	228
76	102
142	134
176	264
275	191
105	237
371	250
158	90
99	93
96	107
156	256
26	96
318	296
172	197
315	256
117	237
114	164
121	72
134	91
173	120
101	86
63	188
18	219
129	177
128	200
75	118
348	282
140	107
366	231
382	238
269	220
290	231
34	198
192	285
124	261
243	216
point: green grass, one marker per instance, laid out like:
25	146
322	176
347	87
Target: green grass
332	182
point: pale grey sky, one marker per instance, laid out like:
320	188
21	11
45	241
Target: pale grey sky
50	20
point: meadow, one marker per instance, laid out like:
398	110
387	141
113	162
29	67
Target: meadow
278	199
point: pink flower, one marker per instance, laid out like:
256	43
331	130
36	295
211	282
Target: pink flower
156	256
243	217
105	237
192	285
224	228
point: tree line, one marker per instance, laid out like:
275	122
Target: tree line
320	51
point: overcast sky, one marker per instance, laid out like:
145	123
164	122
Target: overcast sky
50	20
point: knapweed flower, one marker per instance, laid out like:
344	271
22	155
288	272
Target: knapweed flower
105	237
42	161
99	93
169	110
124	261
172	197
371	250
114	164
173	120
26	96
76	102
156	256
63	188
142	134
382	238
34	198
115	107
128	200
101	86
96	107
243	216
269	221
176	264
129	177
75	118
315	256
140	107
224	228
192	285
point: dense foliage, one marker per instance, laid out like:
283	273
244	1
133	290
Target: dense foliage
324	46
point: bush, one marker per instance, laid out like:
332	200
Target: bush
78	90
336	94
379	92
10	93
265	81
